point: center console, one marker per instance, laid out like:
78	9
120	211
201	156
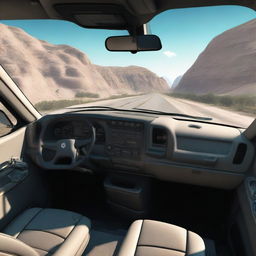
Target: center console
125	140
128	194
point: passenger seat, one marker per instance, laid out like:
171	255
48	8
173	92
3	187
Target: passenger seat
41	232
151	238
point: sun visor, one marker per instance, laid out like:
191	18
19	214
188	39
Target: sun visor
99	16
98	20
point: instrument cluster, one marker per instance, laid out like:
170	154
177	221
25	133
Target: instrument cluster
71	130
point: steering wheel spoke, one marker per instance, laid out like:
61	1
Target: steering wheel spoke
83	142
50	145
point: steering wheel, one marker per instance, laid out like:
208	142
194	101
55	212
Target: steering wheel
68	153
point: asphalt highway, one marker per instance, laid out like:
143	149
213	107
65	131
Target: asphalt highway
160	102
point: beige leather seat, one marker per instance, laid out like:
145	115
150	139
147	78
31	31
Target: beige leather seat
41	232
151	238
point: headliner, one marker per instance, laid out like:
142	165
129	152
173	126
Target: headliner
133	13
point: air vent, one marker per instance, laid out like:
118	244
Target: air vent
240	153
159	136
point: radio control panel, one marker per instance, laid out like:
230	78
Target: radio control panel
126	139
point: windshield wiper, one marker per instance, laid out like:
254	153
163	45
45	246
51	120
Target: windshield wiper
173	114
92	107
137	110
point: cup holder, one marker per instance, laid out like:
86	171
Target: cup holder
122	184
128	194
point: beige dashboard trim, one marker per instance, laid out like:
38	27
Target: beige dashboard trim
11	145
193	175
250	132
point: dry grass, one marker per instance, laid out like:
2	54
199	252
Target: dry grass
47	106
243	103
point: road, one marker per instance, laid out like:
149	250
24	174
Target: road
160	102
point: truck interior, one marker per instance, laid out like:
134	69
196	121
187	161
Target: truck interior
100	181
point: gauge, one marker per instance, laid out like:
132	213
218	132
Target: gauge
63	130
72	130
81	130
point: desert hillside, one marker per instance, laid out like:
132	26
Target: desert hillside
227	65
49	72
176	82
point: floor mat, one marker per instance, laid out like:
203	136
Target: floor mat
104	243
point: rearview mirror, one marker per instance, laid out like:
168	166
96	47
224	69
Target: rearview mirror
133	44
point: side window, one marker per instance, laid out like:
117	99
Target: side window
7	120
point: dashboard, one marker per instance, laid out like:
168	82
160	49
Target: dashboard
161	147
70	129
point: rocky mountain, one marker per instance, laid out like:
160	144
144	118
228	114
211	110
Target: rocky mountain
227	65
137	79
176	82
48	72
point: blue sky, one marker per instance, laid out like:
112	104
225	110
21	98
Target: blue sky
184	34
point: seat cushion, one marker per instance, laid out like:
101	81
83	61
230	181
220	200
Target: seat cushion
51	231
150	238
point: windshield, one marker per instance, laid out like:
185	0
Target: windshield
206	67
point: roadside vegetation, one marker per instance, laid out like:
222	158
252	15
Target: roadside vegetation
87	95
120	96
46	106
57	104
243	103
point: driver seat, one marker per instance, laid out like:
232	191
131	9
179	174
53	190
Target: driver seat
45	232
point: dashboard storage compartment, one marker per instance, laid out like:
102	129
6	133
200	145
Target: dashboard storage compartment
128	194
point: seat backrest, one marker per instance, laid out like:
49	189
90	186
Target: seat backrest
12	246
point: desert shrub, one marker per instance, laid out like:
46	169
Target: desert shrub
57	104
245	103
226	101
245	100
87	95
208	98
119	96
46	106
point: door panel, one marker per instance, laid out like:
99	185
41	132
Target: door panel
11	145
19	189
